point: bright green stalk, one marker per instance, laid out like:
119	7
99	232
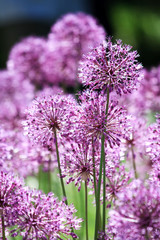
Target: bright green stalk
3	227
97	225
86	209
94	172
104	172
59	168
102	164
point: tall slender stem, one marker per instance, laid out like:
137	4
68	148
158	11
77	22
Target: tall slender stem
104	172
134	162
102	165
59	168
97	224
3	227
86	209
94	171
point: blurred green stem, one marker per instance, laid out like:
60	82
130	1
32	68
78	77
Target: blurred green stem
104	172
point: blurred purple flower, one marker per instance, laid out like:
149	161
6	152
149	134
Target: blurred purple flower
137	212
25	58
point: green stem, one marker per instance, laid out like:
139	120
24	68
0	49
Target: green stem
134	163
86	209
102	165
59	168
94	171
97	223
104	172
3	227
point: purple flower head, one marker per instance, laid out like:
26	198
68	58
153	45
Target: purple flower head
137	212
147	97
47	115
21	157
60	62
111	66
150	88
153	141
81	29
43	217
78	164
26	56
135	146
11	190
155	174
15	95
116	174
92	118
70	37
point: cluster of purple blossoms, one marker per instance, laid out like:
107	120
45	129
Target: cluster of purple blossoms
136	212
55	121
111	66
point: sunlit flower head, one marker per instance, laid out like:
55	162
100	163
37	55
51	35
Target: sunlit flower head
49	115
111	66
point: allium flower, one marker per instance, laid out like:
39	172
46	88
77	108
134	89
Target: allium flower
92	118
154	175
60	63
135	146
11	190
137	212
70	37
21	157
81	29
78	164
26	56
147	97
43	217
47	115
116	174
16	93
111	66
153	141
